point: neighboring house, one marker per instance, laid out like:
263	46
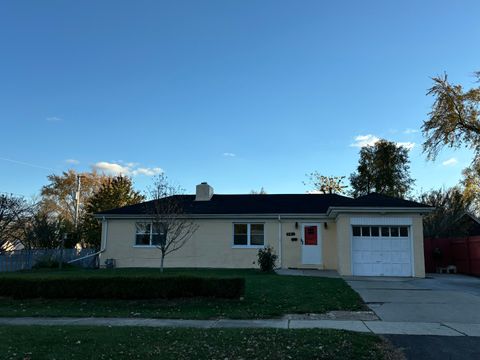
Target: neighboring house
370	235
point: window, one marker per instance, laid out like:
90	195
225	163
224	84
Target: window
385	231
394	231
240	234
365	231
248	235
376	231
356	231
256	234
403	231
148	234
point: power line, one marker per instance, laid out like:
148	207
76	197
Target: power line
27	164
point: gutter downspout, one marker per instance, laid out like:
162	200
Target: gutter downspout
104	238
280	241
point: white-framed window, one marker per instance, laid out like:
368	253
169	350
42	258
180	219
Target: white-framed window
248	234
384	231
149	234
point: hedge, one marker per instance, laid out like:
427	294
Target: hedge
122	287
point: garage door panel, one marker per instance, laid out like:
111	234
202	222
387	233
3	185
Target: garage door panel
405	245
386	243
397	246
377	244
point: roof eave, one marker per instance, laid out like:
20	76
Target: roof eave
335	210
220	216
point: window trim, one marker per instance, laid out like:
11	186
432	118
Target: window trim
249	239
150	246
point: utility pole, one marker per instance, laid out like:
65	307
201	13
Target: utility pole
77	199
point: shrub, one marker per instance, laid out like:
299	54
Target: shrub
266	259
122	287
51	264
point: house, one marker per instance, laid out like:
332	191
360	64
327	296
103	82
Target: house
373	235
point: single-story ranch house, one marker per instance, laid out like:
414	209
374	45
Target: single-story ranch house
373	235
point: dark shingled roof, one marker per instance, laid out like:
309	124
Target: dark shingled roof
271	204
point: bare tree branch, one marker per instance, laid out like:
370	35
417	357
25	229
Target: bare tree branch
169	219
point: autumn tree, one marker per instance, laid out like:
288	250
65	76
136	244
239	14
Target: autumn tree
115	192
383	168
171	225
454	118
454	121
326	184
450	205
13	211
59	195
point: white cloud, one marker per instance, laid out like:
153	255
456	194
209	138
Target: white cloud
147	171
111	168
410	131
450	162
53	119
370	140
72	161
408	145
364	140
229	154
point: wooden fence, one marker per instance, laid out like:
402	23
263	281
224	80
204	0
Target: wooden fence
463	252
26	259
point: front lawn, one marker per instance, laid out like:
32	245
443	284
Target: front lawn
266	295
78	342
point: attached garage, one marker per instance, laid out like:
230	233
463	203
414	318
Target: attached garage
382	250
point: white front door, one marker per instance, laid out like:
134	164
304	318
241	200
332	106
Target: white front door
311	244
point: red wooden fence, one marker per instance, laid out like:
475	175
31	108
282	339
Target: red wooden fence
462	252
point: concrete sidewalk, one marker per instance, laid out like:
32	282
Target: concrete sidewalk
375	327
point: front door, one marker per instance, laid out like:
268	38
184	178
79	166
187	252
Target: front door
311	244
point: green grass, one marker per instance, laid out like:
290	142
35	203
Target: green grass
266	296
38	342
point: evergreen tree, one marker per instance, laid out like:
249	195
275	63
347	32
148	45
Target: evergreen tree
382	168
115	192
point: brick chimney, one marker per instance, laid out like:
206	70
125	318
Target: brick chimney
204	192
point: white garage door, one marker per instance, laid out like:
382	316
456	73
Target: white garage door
381	251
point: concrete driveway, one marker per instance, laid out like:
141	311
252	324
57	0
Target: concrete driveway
437	298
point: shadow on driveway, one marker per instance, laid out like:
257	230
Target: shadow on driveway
426	347
437	299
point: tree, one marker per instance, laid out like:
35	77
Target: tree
115	192
170	223
383	168
454	119
58	198
326	184
12	214
59	195
262	191
450	205
45	231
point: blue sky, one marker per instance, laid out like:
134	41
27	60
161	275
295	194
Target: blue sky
241	94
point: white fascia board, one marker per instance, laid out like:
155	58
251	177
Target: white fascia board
334	211
322	217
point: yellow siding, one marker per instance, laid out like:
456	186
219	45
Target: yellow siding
211	245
